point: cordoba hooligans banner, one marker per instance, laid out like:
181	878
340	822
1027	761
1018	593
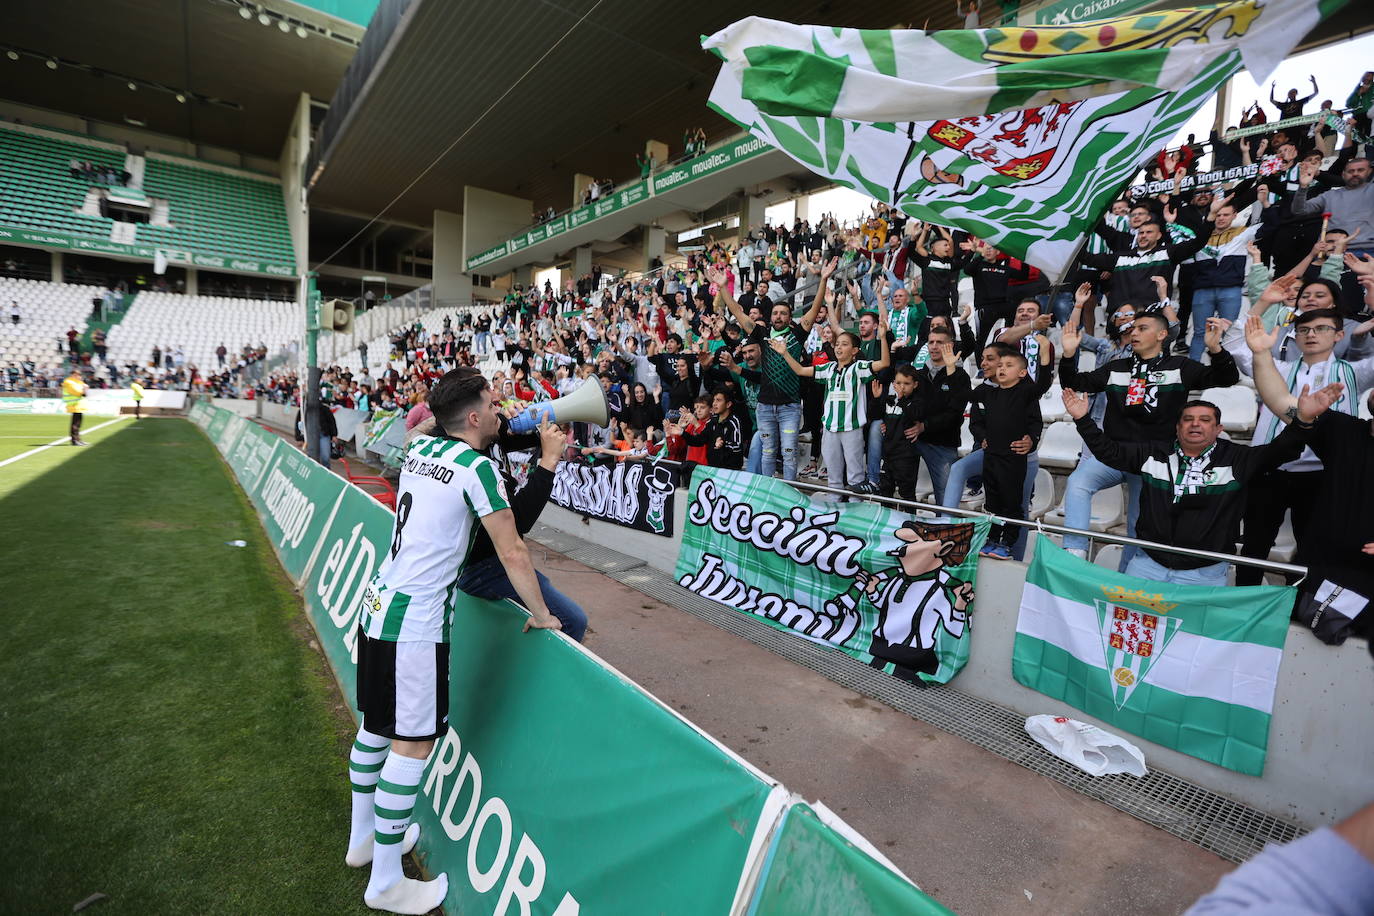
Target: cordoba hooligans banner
887	589
636	494
1020	136
1189	667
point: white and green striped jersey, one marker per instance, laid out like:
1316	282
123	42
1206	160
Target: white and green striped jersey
446	486
846	400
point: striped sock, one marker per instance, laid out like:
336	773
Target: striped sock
394	802
364	766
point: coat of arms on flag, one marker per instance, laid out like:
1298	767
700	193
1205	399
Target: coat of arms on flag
1131	641
1020	136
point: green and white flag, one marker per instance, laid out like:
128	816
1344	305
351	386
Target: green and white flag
1020	136
891	591
1189	667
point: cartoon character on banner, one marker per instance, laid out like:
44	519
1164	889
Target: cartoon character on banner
915	599
661	487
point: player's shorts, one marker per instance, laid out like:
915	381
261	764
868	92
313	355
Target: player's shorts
403	688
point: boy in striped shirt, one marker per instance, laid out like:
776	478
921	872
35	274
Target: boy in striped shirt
844	414
446	487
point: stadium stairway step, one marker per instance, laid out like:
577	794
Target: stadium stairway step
112	318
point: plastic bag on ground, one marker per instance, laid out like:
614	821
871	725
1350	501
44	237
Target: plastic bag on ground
1087	747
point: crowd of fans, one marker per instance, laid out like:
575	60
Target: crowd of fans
846	351
104	174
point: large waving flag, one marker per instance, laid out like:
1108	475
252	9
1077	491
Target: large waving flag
1018	135
1188	667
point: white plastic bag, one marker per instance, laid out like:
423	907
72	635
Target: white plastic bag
1087	747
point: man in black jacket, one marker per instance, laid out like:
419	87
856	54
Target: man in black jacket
1194	490
1135	262
483	574
947	387
1145	394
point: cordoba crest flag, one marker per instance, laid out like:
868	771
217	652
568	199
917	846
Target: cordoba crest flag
1020	136
1188	667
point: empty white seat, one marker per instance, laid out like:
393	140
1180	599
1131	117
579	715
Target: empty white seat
1108	510
1042	498
1060	445
1109	556
1238	408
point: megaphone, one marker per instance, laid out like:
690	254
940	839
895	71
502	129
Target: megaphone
585	405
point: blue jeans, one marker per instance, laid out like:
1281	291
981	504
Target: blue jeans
971	465
487	579
938	458
875	451
778	427
753	462
326	450
1146	568
1088	478
1062	306
1223	302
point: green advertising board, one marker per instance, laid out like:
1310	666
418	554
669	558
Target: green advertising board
560	786
708	163
251	454
219	420
147	252
571	781
812	868
295	498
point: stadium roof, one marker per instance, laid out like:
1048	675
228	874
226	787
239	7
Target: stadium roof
248	76
631	72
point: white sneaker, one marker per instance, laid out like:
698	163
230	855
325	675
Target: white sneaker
410	896
1079	552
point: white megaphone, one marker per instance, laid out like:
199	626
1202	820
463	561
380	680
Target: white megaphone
585	405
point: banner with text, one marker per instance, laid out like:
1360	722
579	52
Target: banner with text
636	494
889	590
62	240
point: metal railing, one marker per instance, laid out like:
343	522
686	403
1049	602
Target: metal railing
1092	536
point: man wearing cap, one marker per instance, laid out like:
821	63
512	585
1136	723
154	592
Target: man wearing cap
74	397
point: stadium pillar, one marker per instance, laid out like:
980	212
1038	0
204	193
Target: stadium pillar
657	149
490	218
581	262
751	211
579	187
655	241
192	282
804	207
310	298
56	266
452	286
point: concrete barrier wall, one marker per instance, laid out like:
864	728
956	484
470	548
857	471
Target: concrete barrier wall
1320	747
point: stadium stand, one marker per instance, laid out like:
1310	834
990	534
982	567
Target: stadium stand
216	211
199	324
47	311
37	188
196	207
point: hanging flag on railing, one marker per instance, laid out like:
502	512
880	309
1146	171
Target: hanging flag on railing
1190	667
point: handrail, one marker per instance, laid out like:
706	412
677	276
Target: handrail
1123	540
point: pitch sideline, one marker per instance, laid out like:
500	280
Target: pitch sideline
35	451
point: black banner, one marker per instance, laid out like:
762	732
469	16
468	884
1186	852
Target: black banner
636	494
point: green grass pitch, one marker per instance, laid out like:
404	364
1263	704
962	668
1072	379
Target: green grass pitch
170	738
